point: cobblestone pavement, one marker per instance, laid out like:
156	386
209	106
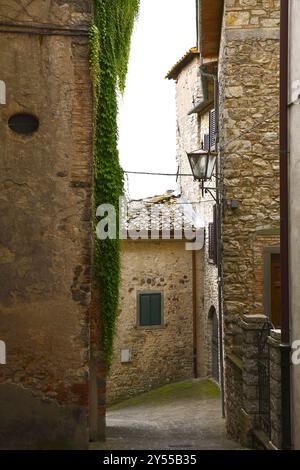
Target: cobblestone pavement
183	416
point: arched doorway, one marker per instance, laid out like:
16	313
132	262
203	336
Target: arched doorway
215	370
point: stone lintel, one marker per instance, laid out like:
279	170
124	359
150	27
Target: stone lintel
252	33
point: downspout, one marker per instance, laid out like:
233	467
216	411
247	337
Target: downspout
195	336
205	75
284	230
194	259
198	23
219	251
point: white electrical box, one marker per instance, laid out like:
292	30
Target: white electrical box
125	355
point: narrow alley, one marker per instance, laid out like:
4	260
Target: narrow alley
149	241
184	415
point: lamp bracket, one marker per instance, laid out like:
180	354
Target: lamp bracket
209	190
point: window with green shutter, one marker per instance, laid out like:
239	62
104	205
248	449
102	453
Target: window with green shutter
150	309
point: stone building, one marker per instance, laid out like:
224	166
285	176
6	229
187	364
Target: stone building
195	115
45	240
243	37
159	337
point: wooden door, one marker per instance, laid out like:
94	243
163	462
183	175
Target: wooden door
275	290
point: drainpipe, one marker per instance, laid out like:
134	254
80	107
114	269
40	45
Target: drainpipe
219	260
220	284
198	14
212	76
204	75
219	238
195	336
284	230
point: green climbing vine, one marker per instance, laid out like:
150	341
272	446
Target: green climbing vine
110	38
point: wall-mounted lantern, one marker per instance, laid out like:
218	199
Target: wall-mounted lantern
202	164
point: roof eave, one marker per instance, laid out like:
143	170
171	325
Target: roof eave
210	25
182	63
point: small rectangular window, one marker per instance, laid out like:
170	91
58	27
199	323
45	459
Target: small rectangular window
150	309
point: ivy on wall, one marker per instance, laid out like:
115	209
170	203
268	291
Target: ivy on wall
110	38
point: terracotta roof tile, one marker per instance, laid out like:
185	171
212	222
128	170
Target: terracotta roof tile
162	212
185	60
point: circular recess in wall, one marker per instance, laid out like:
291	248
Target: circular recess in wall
23	123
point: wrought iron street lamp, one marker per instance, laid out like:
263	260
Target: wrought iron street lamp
202	164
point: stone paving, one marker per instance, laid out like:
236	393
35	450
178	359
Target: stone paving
183	416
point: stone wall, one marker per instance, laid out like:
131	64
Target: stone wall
190	134
74	13
234	395
156	358
249	156
45	240
249	94
254	349
248	395
275	388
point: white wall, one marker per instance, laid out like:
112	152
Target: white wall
190	132
294	126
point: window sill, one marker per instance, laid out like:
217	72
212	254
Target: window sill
151	327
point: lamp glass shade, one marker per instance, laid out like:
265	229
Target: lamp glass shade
202	164
212	157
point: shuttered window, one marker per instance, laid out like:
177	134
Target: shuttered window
206	143
150	309
212	129
213	239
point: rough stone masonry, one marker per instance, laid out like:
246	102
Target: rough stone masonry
249	94
45	238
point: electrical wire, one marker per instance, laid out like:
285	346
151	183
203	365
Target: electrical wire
149	173
179	203
221	148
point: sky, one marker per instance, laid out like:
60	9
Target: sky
164	32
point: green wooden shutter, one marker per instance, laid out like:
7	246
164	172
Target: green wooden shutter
155	309
145	315
150	309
